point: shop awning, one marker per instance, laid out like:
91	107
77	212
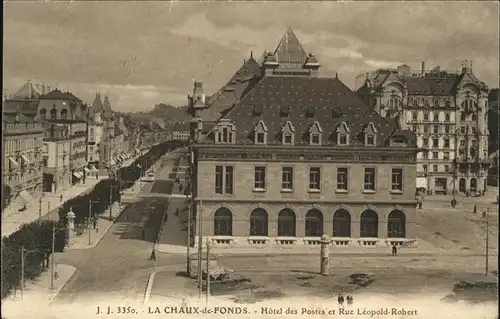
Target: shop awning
421	182
93	168
13	163
25	159
25	197
77	174
86	170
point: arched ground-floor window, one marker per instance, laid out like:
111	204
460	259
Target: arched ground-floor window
223	222
314	223
341	223
396	224
286	223
259	222
369	224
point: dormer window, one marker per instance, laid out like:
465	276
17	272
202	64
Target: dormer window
288	134
343	132
257	110
225	133
260	132
399	141
284	111
309	111
370	133
315	134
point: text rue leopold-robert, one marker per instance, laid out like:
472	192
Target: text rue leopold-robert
360	311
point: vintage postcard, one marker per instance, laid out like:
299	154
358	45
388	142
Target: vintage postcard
265	159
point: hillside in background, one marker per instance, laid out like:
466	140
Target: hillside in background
171	114
168	113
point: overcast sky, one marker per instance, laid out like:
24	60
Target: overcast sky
145	53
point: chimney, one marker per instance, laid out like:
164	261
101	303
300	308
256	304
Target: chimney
423	68
29	89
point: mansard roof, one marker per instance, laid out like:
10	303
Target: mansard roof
59	95
435	82
308	100
232	91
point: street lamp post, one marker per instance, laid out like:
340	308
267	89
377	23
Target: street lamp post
90	216
52	267
208	273
486	215
455	170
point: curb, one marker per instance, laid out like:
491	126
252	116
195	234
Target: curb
149	287
102	236
63	285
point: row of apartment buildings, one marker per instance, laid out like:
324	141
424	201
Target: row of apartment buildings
53	140
281	156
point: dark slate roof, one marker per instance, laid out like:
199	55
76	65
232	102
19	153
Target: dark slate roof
328	99
433	83
239	84
59	95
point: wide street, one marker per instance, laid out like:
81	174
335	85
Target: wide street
118	266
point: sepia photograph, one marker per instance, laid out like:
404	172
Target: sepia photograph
267	159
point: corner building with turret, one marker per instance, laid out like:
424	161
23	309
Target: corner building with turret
293	156
448	113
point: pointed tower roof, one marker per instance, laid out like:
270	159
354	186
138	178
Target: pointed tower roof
106	105
97	104
289	52
27	91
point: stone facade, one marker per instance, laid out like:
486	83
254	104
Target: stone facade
301	200
283	166
448	113
22	167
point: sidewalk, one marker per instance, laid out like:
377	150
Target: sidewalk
37	294
50	206
82	241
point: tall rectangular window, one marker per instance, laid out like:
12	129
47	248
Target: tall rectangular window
315	178
228	187
397	179
370	178
435	142
260	177
342	178
219	171
287	178
224	135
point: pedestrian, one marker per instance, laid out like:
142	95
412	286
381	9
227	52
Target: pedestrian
153	255
420	204
97	229
340	300
143	234
61	197
94	222
349	300
177	212
394	250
